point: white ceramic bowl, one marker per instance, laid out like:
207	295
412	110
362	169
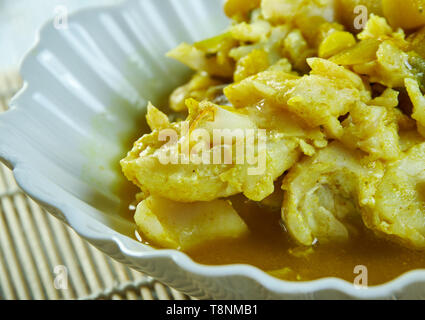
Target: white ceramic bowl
84	91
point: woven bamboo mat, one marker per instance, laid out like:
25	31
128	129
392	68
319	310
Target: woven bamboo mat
36	248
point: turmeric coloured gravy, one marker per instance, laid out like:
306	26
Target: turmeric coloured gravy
342	109
270	248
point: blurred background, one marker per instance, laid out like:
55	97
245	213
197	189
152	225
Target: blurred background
20	21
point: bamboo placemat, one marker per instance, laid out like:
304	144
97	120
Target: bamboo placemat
36	248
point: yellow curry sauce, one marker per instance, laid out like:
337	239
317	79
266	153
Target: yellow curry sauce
270	248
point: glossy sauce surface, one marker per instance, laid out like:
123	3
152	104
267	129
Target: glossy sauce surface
270	248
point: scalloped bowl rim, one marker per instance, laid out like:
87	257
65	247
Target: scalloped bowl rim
275	285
